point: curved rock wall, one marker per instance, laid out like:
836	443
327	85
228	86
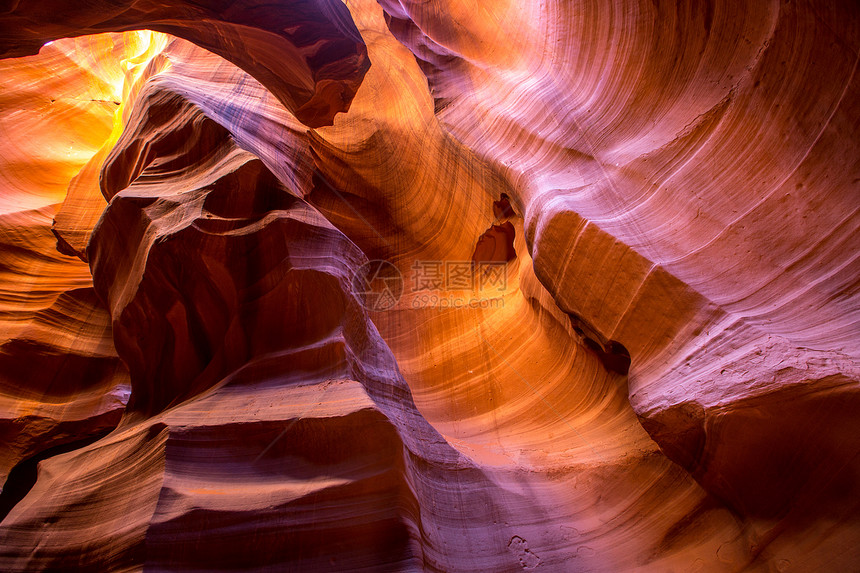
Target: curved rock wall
611	324
307	52
689	181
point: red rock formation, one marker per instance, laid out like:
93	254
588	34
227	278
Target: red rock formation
260	393
60	378
61	381
307	52
496	244
674	193
690	187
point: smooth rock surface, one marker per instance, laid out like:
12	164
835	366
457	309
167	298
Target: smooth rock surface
307	52
611	323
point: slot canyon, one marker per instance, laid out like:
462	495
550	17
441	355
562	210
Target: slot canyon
430	285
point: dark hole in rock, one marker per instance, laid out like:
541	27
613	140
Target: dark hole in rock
614	357
502	208
23	476
496	245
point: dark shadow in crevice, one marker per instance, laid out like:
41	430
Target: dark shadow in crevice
614	357
23	476
612	354
496	245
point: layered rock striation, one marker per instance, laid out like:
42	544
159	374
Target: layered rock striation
308	53
564	287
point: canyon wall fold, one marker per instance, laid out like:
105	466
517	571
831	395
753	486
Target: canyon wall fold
689	180
559	286
307	52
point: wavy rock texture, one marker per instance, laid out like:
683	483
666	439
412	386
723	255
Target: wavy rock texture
625	338
61	381
308	53
690	182
243	410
